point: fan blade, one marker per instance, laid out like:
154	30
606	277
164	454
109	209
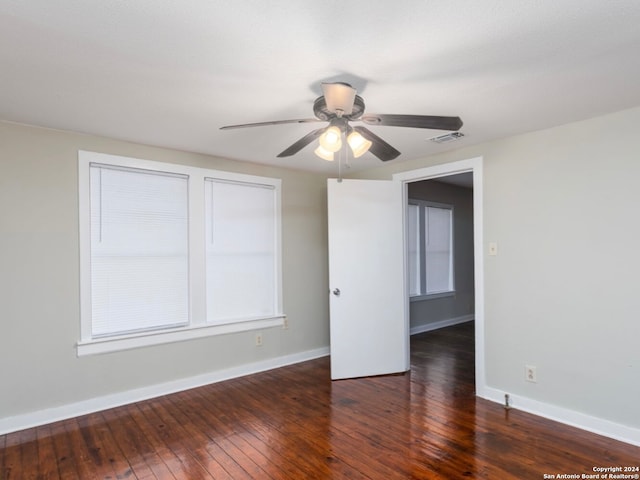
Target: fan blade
379	147
275	122
413	121
300	144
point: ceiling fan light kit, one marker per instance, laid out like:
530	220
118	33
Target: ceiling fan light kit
340	105
331	139
323	153
359	145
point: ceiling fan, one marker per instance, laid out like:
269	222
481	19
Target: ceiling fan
339	105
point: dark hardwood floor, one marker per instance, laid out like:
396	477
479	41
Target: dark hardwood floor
294	423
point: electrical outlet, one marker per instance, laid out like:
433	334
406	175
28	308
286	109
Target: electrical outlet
285	323
258	339
530	374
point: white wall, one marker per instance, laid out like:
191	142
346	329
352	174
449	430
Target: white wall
562	294
40	374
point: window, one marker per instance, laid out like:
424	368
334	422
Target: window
171	252
430	249
139	250
241	266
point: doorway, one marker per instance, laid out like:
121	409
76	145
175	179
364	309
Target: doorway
474	168
440	252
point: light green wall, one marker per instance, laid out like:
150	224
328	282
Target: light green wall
39	284
562	294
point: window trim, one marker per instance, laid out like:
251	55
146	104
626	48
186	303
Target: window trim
197	326
177	334
446	293
432	296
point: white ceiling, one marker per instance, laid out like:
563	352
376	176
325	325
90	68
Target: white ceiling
170	73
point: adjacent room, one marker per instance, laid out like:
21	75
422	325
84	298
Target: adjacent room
293	239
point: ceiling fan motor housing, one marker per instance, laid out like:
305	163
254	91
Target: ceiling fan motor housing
323	113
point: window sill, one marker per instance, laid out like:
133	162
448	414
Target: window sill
432	296
138	340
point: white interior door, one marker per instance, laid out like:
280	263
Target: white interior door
369	330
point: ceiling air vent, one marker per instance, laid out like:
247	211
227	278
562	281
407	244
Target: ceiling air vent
447	137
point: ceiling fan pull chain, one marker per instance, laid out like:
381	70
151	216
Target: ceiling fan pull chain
340	166
347	163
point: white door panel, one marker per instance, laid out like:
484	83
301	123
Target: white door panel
369	331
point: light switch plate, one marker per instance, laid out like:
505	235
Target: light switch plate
493	249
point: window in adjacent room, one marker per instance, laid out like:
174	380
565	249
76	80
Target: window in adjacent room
171	252
430	249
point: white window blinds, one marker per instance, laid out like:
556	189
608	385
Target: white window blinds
438	250
241	256
413	248
139	250
429	248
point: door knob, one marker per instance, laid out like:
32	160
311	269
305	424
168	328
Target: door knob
336	292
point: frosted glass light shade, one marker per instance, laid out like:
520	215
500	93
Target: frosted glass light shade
339	97
323	153
359	145
330	139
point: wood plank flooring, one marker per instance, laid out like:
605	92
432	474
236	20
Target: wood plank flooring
294	423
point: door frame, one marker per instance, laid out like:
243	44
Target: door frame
473	165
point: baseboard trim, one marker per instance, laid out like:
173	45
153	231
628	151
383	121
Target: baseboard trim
449	322
50	415
583	421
